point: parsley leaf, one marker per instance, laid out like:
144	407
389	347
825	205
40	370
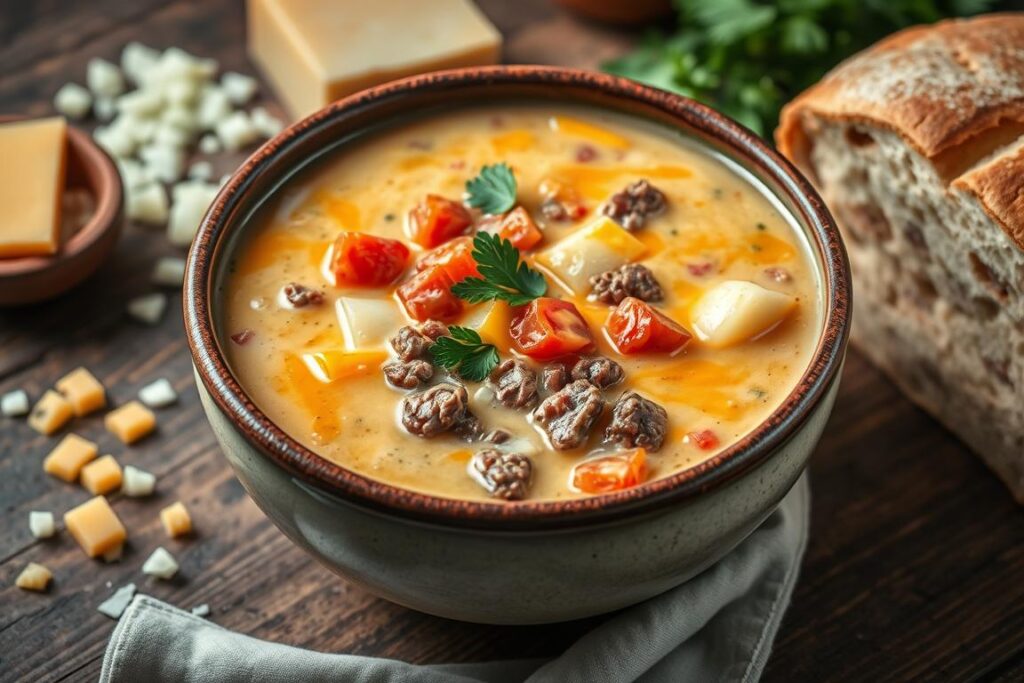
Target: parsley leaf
494	190
505	277
465	353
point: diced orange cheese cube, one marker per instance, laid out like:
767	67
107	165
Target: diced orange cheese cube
130	422
176	520
50	413
102	475
83	391
31	185
34	577
69	457
95	526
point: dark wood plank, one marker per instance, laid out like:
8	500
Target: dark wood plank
913	570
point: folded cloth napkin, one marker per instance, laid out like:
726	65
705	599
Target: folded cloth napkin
718	626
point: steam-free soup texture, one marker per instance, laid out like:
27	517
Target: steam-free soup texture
520	303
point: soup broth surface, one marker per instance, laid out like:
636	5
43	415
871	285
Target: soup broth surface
716	227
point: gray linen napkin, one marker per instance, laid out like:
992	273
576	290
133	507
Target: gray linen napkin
717	627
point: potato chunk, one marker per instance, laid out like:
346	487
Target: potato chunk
367	323
596	247
734	311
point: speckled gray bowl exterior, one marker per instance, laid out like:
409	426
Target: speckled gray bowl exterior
528	562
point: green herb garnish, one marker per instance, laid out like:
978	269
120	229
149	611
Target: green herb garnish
494	190
465	353
505	277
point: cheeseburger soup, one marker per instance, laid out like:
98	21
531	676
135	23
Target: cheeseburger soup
525	303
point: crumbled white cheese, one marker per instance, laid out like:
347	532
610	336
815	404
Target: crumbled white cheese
200	170
191	200
148	308
116	604
164	162
209	144
103	78
133	174
176	64
180	116
168	135
236	131
214	106
181	92
138	61
104	108
147	204
169	272
115	139
202	610
137	483
72	100
142	130
41	524
158	394
239	87
266	123
143	103
160	564
14	403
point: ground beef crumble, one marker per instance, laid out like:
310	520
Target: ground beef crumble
433	329
554	377
408	374
637	421
504	475
568	415
515	383
438	409
637	202
599	371
300	296
631	279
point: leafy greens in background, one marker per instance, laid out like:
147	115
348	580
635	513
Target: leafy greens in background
747	58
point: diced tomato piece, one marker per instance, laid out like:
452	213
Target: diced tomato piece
428	295
518	228
637	327
456	257
435	220
611	472
705	439
549	328
367	261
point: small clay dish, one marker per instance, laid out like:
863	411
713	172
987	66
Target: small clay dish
90	173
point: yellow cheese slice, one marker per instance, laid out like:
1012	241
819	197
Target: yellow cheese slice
31	185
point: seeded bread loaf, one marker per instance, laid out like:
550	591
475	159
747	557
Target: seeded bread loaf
917	146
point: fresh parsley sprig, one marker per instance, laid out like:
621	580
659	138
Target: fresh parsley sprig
505	276
494	190
466	353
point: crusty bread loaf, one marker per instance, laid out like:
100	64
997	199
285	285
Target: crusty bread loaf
917	146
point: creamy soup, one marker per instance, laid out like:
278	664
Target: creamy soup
524	303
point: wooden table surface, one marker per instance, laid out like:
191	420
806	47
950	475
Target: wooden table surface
915	568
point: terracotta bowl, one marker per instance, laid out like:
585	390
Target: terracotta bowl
30	279
526	562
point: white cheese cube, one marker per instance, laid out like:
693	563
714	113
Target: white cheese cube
137	61
160	564
147	204
201	611
367	323
164	162
176	64
596	247
214	107
141	103
133	174
266	123
105	108
137	483
734	311
115	140
149	308
116	604
158	394
14	403
103	78
201	170
169	272
191	200
180	117
236	131
141	130
41	524
180	92
72	100
168	135
209	144
238	87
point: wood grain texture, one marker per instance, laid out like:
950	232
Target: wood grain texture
914	570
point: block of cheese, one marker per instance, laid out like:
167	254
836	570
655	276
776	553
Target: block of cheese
316	51
31	185
95	526
50	413
69	457
176	520
130	422
83	391
102	475
34	577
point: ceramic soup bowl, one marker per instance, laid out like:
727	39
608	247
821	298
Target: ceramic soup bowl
529	562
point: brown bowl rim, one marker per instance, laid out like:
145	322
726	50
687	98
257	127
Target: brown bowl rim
109	201
347	485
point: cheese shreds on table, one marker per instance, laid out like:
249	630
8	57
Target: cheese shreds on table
31	186
68	458
95	526
116	604
316	51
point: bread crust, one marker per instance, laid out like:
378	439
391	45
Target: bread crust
953	90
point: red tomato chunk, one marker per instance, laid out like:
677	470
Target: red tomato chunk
428	295
455	257
637	327
435	220
548	328
705	439
366	261
611	473
518	228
